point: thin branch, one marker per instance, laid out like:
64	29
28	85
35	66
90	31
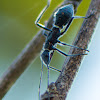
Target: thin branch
59	89
26	57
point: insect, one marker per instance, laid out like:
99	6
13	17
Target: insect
62	17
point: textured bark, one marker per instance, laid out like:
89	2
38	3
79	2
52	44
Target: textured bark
59	89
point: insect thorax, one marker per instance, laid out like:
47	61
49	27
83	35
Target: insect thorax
52	38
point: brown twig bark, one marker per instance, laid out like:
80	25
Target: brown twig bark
59	89
27	55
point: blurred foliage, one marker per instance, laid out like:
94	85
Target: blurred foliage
17	28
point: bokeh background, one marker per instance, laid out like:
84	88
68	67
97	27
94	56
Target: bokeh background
17	28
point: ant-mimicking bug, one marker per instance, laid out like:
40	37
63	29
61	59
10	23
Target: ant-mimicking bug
62	17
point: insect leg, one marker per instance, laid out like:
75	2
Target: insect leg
71	45
44	31
67	54
40	81
83	16
80	17
72	20
40	15
55	69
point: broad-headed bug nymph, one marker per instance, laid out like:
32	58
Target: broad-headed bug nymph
62	17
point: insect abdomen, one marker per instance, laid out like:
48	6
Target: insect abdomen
63	15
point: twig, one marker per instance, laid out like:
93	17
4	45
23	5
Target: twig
24	59
59	89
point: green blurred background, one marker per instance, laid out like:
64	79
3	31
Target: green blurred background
17	28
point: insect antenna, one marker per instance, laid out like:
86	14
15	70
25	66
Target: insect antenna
41	74
48	74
